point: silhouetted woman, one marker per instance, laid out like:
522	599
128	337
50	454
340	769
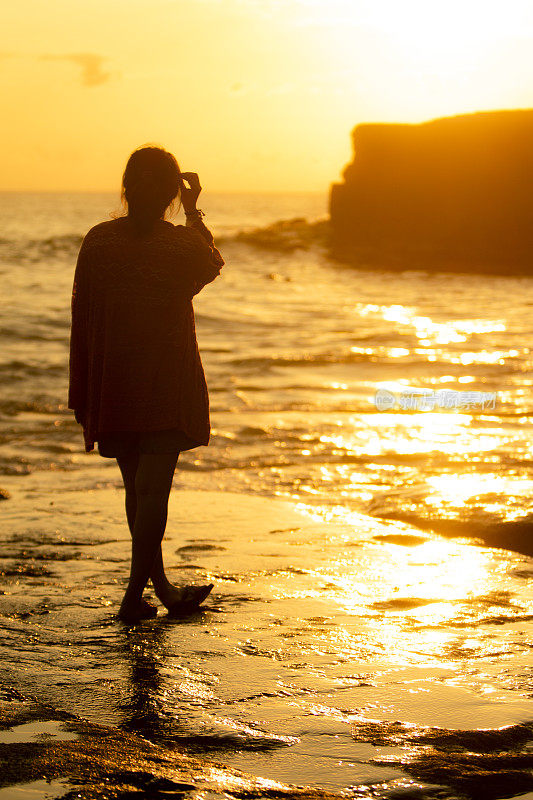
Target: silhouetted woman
137	383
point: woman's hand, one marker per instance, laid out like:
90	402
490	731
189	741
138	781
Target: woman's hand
189	194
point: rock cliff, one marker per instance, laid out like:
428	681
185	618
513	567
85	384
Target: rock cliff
454	192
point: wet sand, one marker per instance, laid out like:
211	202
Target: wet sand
69	757
364	657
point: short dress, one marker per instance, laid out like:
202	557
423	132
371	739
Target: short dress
117	444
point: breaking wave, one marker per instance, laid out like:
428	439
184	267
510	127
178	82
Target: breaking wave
284	235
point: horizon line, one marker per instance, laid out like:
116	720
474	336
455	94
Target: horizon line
210	191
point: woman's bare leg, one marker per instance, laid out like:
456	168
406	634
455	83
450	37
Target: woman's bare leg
153	481
128	467
155	511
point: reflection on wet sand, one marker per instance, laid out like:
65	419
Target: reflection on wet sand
144	650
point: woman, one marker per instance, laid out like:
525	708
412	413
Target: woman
136	381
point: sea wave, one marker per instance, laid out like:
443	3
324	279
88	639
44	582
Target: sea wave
284	235
17	369
27	250
38	405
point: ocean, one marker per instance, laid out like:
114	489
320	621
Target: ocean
371	437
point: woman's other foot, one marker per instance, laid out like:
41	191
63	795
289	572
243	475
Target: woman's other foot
180	600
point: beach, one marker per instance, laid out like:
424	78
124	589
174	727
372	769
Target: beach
369	632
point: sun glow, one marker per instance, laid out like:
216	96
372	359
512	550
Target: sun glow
442	38
278	84
432	59
447	35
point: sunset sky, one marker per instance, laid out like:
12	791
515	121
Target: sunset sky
252	94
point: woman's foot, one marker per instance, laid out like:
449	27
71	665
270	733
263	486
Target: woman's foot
132	613
148	610
180	600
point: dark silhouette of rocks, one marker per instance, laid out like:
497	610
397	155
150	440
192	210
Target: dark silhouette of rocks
453	193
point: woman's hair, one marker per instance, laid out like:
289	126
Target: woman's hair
151	182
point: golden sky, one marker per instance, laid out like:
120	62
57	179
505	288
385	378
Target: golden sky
252	94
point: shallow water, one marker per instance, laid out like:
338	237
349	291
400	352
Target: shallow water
35	790
35	731
347	628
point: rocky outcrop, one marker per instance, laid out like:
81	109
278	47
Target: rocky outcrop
454	192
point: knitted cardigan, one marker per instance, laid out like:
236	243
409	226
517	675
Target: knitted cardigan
134	362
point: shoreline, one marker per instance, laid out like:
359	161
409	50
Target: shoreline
311	669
